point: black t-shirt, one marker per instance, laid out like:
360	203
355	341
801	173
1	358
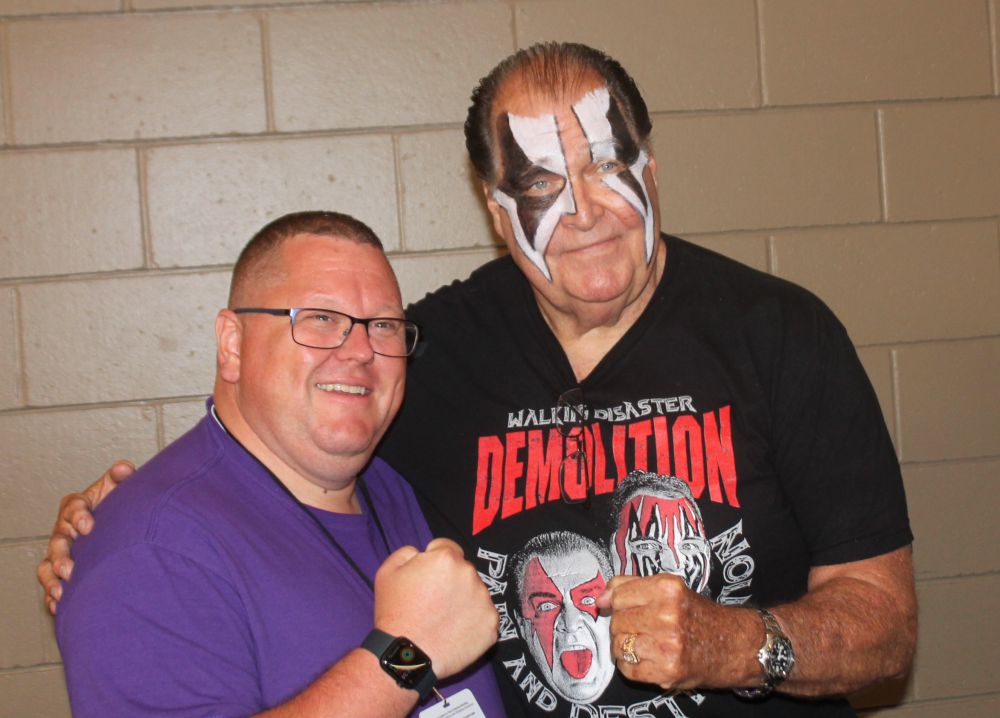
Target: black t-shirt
731	437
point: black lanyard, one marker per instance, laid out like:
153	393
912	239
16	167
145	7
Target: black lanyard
330	537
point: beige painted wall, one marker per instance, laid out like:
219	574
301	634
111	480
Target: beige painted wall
851	146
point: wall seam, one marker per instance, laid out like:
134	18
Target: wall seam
161	430
762	94
772	254
994	49
6	91
515	42
22	364
145	230
897	410
397	172
880	161
263	21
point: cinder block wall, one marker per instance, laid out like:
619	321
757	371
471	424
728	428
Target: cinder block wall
851	146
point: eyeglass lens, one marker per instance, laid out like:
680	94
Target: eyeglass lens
326	329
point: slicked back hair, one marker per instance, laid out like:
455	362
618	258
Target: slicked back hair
262	247
558	69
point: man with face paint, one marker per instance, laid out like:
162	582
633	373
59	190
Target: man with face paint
559	577
658	529
601	346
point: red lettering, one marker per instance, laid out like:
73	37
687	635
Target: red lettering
639	433
602	484
513	470
688	461
618	449
541	480
721	459
488	478
662	445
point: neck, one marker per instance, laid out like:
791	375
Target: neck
587	332
335	493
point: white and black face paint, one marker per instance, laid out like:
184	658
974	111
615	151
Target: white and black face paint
535	188
609	139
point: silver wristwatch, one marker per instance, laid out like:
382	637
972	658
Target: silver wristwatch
776	657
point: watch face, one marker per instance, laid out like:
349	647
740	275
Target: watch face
407	662
781	659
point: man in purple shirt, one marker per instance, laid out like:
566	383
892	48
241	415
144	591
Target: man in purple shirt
264	563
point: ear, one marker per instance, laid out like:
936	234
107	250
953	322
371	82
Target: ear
228	345
495	210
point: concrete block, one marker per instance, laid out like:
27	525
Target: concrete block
179	417
893	283
957	654
136	76
948	395
26	627
52	7
953	517
816	51
690	54
207	200
45	455
443	206
10	343
942	160
38	692
69	211
130	338
767	170
388	64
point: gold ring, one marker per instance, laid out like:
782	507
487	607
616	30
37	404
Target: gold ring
628	649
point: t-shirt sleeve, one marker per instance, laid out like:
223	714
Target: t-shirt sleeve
149	632
833	452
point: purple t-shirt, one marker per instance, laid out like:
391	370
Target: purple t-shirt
204	589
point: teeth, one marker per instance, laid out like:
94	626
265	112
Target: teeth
345	389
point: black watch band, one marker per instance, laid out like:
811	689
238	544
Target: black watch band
400	657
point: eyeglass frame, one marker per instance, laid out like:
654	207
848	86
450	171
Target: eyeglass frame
574	431
292	312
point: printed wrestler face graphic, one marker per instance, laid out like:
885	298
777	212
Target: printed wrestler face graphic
580	160
660	530
559	620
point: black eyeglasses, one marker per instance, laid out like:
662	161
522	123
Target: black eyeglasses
571	416
327	329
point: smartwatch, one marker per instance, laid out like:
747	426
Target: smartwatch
403	661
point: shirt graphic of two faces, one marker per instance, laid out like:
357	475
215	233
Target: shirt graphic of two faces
559	575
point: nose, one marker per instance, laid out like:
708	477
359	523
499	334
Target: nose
570	618
586	197
356	344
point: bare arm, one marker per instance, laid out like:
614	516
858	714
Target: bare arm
75	517
856	626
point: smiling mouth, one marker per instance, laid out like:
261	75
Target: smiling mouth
345	389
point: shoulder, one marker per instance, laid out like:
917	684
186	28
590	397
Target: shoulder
169	501
713	288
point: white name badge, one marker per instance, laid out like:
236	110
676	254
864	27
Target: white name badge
461	705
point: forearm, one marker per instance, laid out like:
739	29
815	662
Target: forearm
852	630
354	686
